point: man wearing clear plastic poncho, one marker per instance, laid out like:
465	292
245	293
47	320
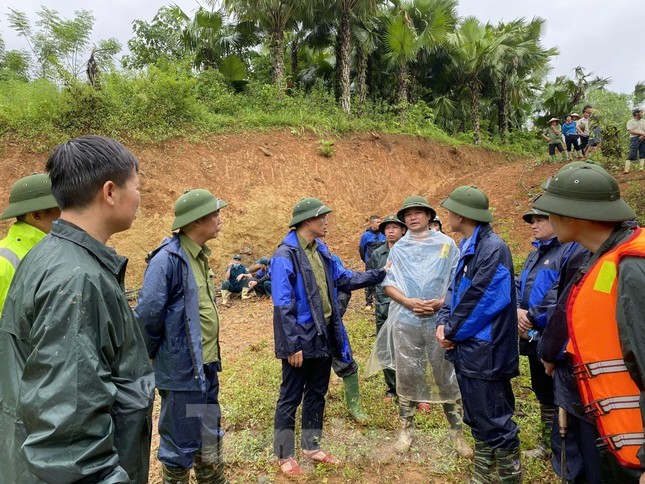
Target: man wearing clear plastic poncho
423	265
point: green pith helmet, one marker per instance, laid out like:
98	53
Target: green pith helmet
392	218
469	202
571	166
307	208
29	194
263	260
416	201
585	193
193	205
528	216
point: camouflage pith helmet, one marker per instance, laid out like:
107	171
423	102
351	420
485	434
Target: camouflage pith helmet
416	201
307	208
469	202
30	194
193	205
390	219
585	193
528	216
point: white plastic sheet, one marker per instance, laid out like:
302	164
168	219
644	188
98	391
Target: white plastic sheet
423	267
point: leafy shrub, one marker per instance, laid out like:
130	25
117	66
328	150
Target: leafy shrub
327	147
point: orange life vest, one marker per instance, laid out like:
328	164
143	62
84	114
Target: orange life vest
608	393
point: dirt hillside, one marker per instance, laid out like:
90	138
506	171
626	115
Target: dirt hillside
263	174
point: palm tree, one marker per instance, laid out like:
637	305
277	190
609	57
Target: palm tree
273	17
478	47
366	38
521	59
348	11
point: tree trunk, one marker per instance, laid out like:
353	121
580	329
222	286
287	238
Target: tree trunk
474	104
361	77
402	84
503	109
276	50
343	60
294	63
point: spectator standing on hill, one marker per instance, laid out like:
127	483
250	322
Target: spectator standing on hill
571	136
178	314
636	130
76	386
35	208
536	290
370	241
605	313
553	135
236	279
393	229
478	326
583	128
308	330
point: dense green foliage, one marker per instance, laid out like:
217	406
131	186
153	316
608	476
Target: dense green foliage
410	66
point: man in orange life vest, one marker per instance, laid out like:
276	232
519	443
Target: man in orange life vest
605	313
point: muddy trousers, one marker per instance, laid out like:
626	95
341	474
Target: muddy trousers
307	385
189	430
453	412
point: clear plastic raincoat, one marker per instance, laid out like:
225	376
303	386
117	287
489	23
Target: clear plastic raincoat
423	266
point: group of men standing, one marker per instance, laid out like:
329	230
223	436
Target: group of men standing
79	369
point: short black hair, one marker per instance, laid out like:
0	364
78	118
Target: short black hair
588	106
80	167
374	217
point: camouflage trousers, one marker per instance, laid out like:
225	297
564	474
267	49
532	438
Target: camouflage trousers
453	412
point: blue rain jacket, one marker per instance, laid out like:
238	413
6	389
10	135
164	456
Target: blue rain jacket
480	312
298	319
370	241
168	313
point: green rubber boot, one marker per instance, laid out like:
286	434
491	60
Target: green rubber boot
484	470
174	475
209	465
509	465
354	398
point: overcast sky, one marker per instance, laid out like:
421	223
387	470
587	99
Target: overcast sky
603	37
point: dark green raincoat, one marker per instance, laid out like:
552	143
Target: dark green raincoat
76	386
378	259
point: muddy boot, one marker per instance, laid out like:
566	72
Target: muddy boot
628	165
174	475
209	465
225	295
552	158
641	164
509	465
406	435
579	152
454	414
484	469
547	414
354	398
245	293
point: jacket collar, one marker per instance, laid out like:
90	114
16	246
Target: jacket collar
552	242
291	239
106	255
26	233
480	232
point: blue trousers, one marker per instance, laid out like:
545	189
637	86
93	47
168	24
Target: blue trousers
311	380
636	149
189	421
488	411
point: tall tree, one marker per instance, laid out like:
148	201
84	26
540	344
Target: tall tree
59	45
478	47
273	17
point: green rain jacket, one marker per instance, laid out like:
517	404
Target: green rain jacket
76	386
378	259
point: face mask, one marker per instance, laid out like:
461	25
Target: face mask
236	265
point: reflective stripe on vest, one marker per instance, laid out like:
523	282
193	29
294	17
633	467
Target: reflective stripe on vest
10	256
608	393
